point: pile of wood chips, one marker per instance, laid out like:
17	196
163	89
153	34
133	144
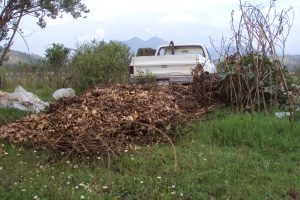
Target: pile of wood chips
107	119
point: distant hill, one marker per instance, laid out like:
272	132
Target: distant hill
292	62
16	57
136	43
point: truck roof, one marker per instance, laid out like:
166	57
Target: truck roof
182	44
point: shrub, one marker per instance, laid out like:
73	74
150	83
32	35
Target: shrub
2	77
101	63
145	78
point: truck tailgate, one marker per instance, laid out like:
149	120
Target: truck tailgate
171	65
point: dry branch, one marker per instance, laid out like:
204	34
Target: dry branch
108	120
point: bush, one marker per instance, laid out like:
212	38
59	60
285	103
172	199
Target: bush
254	82
2	77
101	63
145	78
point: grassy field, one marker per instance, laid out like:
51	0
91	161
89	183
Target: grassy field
232	156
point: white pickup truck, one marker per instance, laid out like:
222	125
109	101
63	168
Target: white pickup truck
171	63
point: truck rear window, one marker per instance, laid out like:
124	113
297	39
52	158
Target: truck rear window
179	50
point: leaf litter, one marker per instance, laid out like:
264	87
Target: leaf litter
108	119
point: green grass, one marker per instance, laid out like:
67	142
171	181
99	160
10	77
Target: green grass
9	115
263	133
232	157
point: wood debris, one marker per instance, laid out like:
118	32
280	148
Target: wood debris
106	119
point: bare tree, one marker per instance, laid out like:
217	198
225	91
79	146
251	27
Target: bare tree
252	57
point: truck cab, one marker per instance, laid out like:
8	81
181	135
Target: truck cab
171	63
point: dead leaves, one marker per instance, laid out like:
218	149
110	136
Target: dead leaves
105	119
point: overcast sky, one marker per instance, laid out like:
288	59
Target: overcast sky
177	20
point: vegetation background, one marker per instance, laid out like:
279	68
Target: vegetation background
229	155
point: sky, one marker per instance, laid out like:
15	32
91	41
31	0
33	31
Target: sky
183	21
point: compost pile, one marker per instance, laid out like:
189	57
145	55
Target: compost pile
107	119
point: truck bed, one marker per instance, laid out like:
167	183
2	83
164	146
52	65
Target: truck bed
166	65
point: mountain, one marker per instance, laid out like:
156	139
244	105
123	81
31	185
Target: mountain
155	42
15	57
136	43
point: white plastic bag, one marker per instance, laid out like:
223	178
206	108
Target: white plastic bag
4	100
22	100
63	93
282	114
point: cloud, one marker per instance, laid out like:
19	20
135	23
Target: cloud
188	20
99	34
176	18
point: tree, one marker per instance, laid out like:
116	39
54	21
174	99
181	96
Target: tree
12	12
256	78
57	55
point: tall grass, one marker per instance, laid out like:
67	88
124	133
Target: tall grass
9	115
259	132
